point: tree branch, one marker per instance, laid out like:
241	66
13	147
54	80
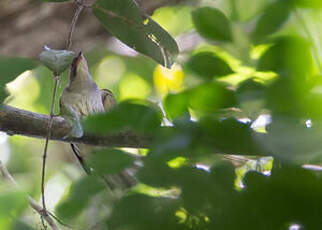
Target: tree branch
15	121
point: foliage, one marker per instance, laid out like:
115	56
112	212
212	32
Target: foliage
249	88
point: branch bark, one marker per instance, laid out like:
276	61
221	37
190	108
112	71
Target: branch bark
15	121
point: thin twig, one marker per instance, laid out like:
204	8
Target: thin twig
50	123
44	213
7	176
79	9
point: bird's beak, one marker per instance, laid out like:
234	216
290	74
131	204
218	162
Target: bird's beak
79	64
79	58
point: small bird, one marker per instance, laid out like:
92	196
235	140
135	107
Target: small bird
81	98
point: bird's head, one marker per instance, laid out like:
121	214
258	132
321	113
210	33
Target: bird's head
79	68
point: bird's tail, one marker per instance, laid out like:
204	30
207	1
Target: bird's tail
121	181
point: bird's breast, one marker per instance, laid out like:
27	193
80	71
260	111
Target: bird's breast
84	103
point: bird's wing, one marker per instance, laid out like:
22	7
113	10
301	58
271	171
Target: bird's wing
108	99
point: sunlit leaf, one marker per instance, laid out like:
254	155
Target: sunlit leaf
11	67
110	161
141	33
313	4
272	19
211	23
168	80
208	65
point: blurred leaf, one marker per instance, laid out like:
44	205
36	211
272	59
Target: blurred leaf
272	19
160	213
282	196
208	65
288	56
19	225
251	97
127	115
11	67
175	19
220	134
110	161
314	4
132	86
176	105
205	98
290	140
287	96
12	203
244	12
79	196
210	97
211	23
141	33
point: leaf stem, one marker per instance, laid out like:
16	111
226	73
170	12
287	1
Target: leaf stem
79	9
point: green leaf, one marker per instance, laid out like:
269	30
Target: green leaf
79	196
212	24
288	56
221	135
211	97
287	96
271	20
282	196
313	4
126	116
176	105
251	98
206	98
56	60
110	161
11	67
138	211
123	19
208	65
289	139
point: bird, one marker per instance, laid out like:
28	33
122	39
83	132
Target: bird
81	98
